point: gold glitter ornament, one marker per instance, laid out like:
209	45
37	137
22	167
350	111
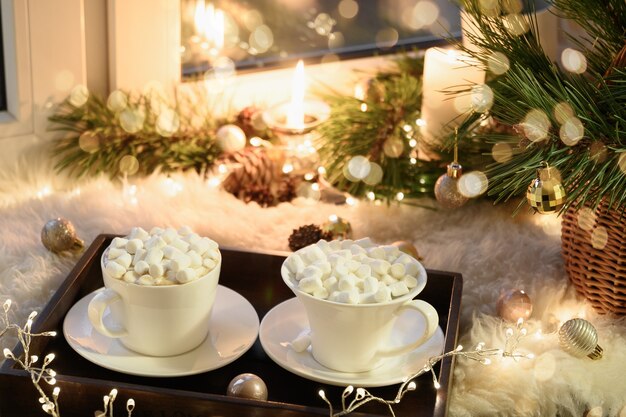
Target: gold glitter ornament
59	235
447	190
408	248
579	338
247	386
513	305
545	193
338	228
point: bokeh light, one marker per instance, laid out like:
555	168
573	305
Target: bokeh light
572	131
261	39
79	95
89	142
386	38
358	167
323	24
536	125
335	40
586	218
473	184
252	19
393	147
489	7
498	63
502	152
424	13
563	112
573	61
375	175
167	123
348	8
599	237
481	98
223	69
117	101
129	165
515	24
310	191
512	6
132	120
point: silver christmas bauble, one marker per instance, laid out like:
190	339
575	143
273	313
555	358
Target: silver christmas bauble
230	138
339	228
579	338
513	305
447	188
247	386
59	235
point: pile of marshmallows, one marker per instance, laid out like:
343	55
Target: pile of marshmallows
161	257
352	272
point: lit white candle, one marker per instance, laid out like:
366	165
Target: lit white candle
295	112
199	17
446	70
218	34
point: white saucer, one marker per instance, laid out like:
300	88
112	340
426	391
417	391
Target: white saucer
233	330
287	320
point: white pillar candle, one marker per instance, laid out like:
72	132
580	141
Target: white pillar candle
446	70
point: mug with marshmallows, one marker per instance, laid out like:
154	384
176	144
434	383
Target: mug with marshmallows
161	285
352	292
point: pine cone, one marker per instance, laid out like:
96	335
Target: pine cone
305	236
251	167
287	189
259	194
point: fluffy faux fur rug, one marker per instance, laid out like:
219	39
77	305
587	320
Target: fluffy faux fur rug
493	250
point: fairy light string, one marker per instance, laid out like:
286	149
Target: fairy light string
479	354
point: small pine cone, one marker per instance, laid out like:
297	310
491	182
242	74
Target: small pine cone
287	189
259	194
305	236
254	167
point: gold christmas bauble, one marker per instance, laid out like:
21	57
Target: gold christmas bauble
338	228
247	386
59	235
545	193
447	188
408	248
513	305
579	338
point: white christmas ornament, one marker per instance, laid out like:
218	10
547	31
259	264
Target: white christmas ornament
231	138
79	95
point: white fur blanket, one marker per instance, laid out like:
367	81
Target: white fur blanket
493	250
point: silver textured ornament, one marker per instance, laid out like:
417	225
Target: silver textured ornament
247	386
579	338
513	305
447	188
339	228
545	193
59	235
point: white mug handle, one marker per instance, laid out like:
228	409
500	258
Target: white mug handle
95	311
432	322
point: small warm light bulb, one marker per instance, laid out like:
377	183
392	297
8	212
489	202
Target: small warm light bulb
400	196
333	218
437	384
322	394
530	356
411	386
486	361
287	168
256	141
56	391
420	122
459	348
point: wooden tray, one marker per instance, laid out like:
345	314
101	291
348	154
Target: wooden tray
256	276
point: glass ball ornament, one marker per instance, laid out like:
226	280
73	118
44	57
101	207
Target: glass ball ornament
579	338
230	138
513	305
247	386
59	235
338	228
545	193
447	188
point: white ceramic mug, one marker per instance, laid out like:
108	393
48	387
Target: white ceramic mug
156	320
356	337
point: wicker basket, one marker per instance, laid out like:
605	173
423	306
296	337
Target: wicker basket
598	273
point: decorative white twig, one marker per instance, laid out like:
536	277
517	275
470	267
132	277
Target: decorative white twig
45	373
478	354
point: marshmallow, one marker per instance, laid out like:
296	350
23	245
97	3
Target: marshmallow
380	266
357	250
139	255
410	281
209	263
353	265
196	259
295	264
349	297
192	238
212	253
324	266
180	262
115	252
365	242
156	270
169	235
405	259
347	282
180	245
331	283
314	253
321	293
154	256
377	253
370	284
200	246
363	271
170	252
398	289
310	284
413	269
138	233
142	267
124	259
341	270
145	280
302	341
388	279
130	276
310	271
185	230
391	251
335	245
398	270
367	298
346	243
336	259
155	242
114	269
156	231
383	294
324	246
186	275
119	242
134	245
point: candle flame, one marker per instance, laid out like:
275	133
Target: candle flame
199	16
295	115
